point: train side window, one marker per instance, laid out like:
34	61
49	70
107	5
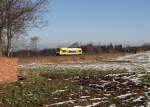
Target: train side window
70	51
64	51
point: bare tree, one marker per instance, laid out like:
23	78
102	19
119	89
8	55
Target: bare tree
2	22
20	43
34	43
17	16
75	45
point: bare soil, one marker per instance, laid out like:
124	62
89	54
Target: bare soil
8	70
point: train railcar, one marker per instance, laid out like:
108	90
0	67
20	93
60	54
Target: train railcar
69	51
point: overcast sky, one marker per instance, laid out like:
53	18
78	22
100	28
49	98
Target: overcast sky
116	21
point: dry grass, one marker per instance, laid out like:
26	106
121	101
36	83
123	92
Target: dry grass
69	59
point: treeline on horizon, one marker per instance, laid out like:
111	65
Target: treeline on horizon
87	49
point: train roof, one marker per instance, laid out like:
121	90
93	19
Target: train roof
71	48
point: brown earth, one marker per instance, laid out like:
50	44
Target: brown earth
8	70
69	59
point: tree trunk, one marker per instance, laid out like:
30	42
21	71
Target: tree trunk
9	47
9	42
1	47
9	30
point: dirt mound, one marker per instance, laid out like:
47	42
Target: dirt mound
8	70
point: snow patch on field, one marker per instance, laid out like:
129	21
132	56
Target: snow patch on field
124	96
135	65
139	99
83	97
92	105
64	102
137	62
58	91
113	105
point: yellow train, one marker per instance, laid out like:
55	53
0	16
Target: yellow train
69	51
